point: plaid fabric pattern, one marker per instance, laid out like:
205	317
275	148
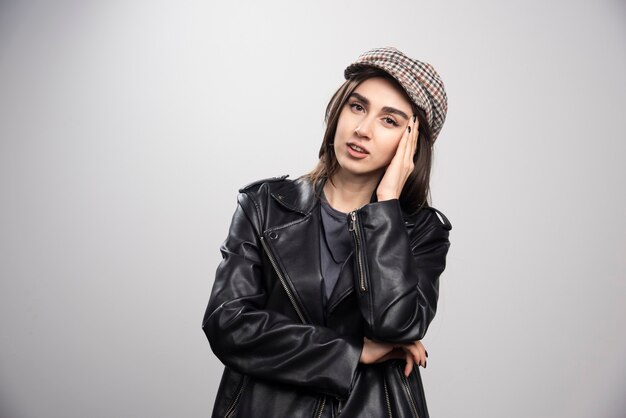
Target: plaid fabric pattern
419	80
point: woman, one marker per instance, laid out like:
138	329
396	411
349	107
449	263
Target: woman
329	282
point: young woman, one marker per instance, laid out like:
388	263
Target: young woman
329	282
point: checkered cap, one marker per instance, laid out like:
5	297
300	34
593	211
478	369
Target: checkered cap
419	80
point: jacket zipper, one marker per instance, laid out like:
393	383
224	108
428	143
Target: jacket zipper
283	282
407	389
387	398
318	414
356	234
233	405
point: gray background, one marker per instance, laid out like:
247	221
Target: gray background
126	128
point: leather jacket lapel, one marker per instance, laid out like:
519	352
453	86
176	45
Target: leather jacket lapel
297	250
295	243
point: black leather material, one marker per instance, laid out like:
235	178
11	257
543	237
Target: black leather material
287	357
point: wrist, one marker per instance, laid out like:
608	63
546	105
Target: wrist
386	196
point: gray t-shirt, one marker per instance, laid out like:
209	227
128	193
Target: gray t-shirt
335	244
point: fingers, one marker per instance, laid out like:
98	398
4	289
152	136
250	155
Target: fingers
405	147
412	353
415	129
400	166
419	352
422	351
411	143
415	353
404	141
408	368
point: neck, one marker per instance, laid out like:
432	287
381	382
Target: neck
348	192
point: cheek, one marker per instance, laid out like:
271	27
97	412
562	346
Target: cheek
343	125
389	146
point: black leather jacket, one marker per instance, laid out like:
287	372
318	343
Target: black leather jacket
287	356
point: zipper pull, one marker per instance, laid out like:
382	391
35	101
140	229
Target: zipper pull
353	220
339	405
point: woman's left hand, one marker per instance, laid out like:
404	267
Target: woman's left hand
401	165
414	353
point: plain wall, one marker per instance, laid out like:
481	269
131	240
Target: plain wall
126	128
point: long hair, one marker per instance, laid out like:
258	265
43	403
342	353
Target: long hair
416	190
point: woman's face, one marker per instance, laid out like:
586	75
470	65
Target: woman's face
370	127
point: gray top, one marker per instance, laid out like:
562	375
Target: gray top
335	244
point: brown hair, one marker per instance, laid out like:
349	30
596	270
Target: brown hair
416	190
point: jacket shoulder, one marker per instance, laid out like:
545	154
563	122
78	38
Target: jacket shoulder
252	195
258	183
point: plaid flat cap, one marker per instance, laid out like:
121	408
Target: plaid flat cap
419	80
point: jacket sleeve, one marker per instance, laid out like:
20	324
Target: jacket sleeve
398	279
264	343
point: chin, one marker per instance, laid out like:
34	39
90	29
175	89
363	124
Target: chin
358	168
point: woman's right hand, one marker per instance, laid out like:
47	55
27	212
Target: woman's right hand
377	352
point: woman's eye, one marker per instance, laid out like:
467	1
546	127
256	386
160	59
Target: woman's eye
390	121
357	107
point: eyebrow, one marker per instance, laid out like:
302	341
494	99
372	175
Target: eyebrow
386	109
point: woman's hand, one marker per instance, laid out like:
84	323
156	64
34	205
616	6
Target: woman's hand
401	164
377	352
414	353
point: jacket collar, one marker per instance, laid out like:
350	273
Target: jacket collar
300	195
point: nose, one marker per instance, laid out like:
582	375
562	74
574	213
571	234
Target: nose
364	128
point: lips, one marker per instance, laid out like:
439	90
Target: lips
358	148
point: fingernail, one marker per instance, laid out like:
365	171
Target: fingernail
414	118
409	129
426	353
